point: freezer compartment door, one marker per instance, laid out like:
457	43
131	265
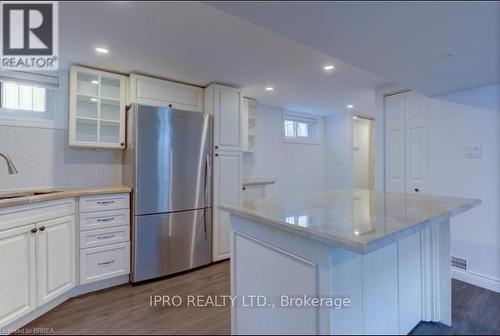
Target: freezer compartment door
173	160
170	243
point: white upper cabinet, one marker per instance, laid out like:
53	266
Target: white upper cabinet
97	109
226	105
162	93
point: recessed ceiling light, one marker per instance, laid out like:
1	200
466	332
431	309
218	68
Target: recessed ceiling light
269	88
101	50
356	233
95	82
94	100
350	106
328	67
355	118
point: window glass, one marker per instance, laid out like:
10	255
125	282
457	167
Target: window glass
33	99
10	96
289	128
39	99
23	97
302	130
303	221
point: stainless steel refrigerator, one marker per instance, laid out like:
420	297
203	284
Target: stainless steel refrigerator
167	163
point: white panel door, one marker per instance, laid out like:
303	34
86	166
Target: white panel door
417	152
394	143
18	278
227	190
55	257
228	106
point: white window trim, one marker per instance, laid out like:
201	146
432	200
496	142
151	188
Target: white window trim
60	119
316	139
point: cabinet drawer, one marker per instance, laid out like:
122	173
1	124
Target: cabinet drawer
104	262
104	219
106	236
104	202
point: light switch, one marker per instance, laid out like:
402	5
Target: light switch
472	152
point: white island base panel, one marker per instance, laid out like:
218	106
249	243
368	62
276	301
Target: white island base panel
391	289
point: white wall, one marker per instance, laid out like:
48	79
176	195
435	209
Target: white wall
459	120
361	129
456	121
44	160
339	151
297	168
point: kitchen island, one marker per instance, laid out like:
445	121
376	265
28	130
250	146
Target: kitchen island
336	262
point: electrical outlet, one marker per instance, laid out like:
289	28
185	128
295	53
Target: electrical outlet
98	170
472	152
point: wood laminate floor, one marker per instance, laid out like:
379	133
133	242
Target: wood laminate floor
126	309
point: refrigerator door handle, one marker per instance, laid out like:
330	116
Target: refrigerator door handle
205	222
207	175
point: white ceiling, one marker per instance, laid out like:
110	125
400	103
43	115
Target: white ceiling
198	44
401	42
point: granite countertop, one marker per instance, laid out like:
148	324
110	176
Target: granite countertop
28	196
358	220
254	181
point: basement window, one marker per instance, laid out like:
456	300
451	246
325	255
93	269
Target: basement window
302	220
299	128
23	98
30	99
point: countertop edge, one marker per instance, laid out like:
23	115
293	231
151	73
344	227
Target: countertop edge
356	247
352	246
60	193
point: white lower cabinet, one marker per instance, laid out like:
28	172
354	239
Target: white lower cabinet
104	262
227	190
104	237
56	256
39	253
18	279
37	258
102	219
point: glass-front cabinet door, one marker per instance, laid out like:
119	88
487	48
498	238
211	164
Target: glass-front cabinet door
97	109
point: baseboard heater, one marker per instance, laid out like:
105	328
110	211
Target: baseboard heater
459	263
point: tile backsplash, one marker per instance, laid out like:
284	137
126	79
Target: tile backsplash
44	160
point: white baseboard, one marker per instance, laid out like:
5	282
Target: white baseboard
97	286
33	315
75	291
476	279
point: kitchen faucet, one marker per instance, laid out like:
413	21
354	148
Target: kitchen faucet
10	165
